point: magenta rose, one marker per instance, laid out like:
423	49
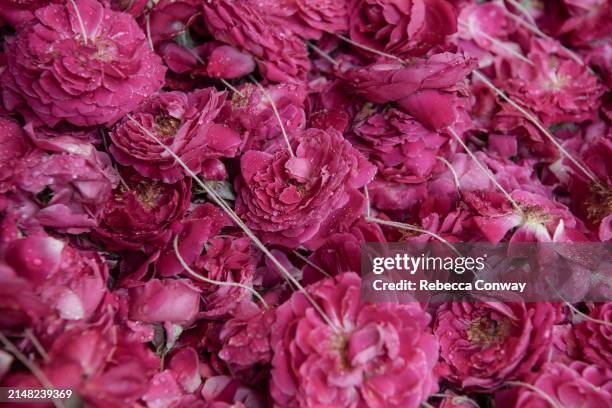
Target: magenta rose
405	153
99	362
168	300
227	259
341	251
575	385
595	338
14	148
202	223
280	55
403	150
56	74
16	12
287	200
251	113
184	123
140	214
388	81
554	86
69	176
310	19
402	27
484	344
322	16
381	355
246	337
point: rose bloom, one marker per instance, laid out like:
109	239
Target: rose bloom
381	355
168	300
99	362
227	259
310	19
556	87
246	337
55	283
484	344
280	56
140	213
568	386
250	112
288	200
16	12
403	150
203	222
341	251
184	123
594	338
387	81
55	74
399	27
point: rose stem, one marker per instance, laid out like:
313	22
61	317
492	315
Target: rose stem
485	170
276	114
223	81
372	50
148	26
37	345
537	123
499	43
410	227
30	365
521	8
221	203
121	180
309	262
576	311
81	23
536	30
456	399
322	53
212	281
534	389
231	87
452	170
366	193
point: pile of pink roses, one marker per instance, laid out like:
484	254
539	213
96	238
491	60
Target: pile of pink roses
185	186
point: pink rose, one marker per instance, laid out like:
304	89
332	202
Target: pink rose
228	62
183	122
203	223
280	56
341	251
555	87
310	19
246	337
484	344
13	147
288	199
70	177
99	363
403	150
382	355
576	385
16	12
140	214
400	27
387	81
55	74
227	259
253	116
595	339
169	300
